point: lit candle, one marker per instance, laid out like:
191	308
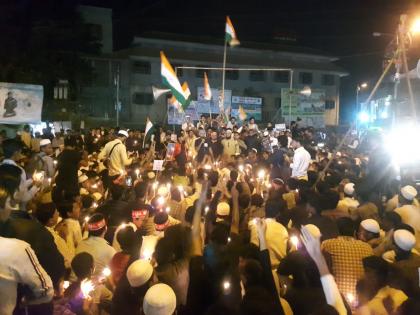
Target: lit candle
66	284
241	168
261	174
137	172
94	205
206	209
294	240
168	209
106	272
226	285
86	287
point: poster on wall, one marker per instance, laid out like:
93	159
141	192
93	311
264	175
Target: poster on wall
20	103
310	108
251	105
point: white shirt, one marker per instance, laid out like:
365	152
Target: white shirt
301	160
276	238
100	250
118	159
410	215
25	193
19	264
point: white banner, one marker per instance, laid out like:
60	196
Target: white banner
20	103
246	100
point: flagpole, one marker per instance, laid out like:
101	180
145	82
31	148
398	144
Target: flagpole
223	77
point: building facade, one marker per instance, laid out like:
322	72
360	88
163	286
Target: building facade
137	69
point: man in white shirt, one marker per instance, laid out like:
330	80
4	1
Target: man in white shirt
348	203
188	124
301	160
409	213
116	154
12	150
96	245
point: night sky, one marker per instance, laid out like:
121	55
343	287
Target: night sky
339	28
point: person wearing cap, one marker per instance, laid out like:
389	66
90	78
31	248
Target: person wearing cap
131	289
96	245
266	142
348	203
160	299
188	123
162	221
406	262
115	153
45	155
369	232
301	160
409	213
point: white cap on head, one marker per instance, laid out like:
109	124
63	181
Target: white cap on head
223	209
370	225
44	142
139	272
265	134
160	299
404	239
123	133
408	192
314	230
349	189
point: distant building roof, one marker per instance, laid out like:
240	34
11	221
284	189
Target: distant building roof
202	52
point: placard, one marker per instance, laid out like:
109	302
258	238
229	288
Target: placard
280	127
158	165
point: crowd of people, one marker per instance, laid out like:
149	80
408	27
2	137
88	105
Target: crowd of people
215	218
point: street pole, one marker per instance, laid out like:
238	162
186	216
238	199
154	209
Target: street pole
117	79
290	96
222	99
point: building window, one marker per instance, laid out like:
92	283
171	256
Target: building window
179	71
328	79
232	75
329	104
305	77
142	67
143	98
277	102
281	76
199	73
256	76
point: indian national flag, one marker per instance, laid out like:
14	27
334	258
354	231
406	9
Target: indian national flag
148	131
231	37
207	90
174	102
241	113
170	79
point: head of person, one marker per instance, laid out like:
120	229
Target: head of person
160	299
46	147
349	190
252	120
47	214
296	143
403	241
368	230
407	195
161	221
202	133
97	225
117	192
140	276
69	208
214	135
12	149
376	271
203	118
10	176
83	265
122	135
228	133
139	215
273	207
345	227
390	221
71	141
127	239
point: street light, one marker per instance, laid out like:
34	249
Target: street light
359	87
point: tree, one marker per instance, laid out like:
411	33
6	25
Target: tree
44	41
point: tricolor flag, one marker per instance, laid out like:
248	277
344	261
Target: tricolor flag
241	113
231	37
174	102
148	131
207	90
170	79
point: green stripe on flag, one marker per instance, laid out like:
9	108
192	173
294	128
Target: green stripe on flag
179	97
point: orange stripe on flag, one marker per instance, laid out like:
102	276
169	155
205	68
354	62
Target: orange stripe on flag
166	63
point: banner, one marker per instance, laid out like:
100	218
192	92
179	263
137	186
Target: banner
20	103
215	94
251	105
310	108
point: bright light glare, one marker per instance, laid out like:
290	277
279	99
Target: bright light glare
86	286
226	285
350	297
261	174
364	117
399	143
364	85
415	27
384	115
294	240
66	284
106	272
